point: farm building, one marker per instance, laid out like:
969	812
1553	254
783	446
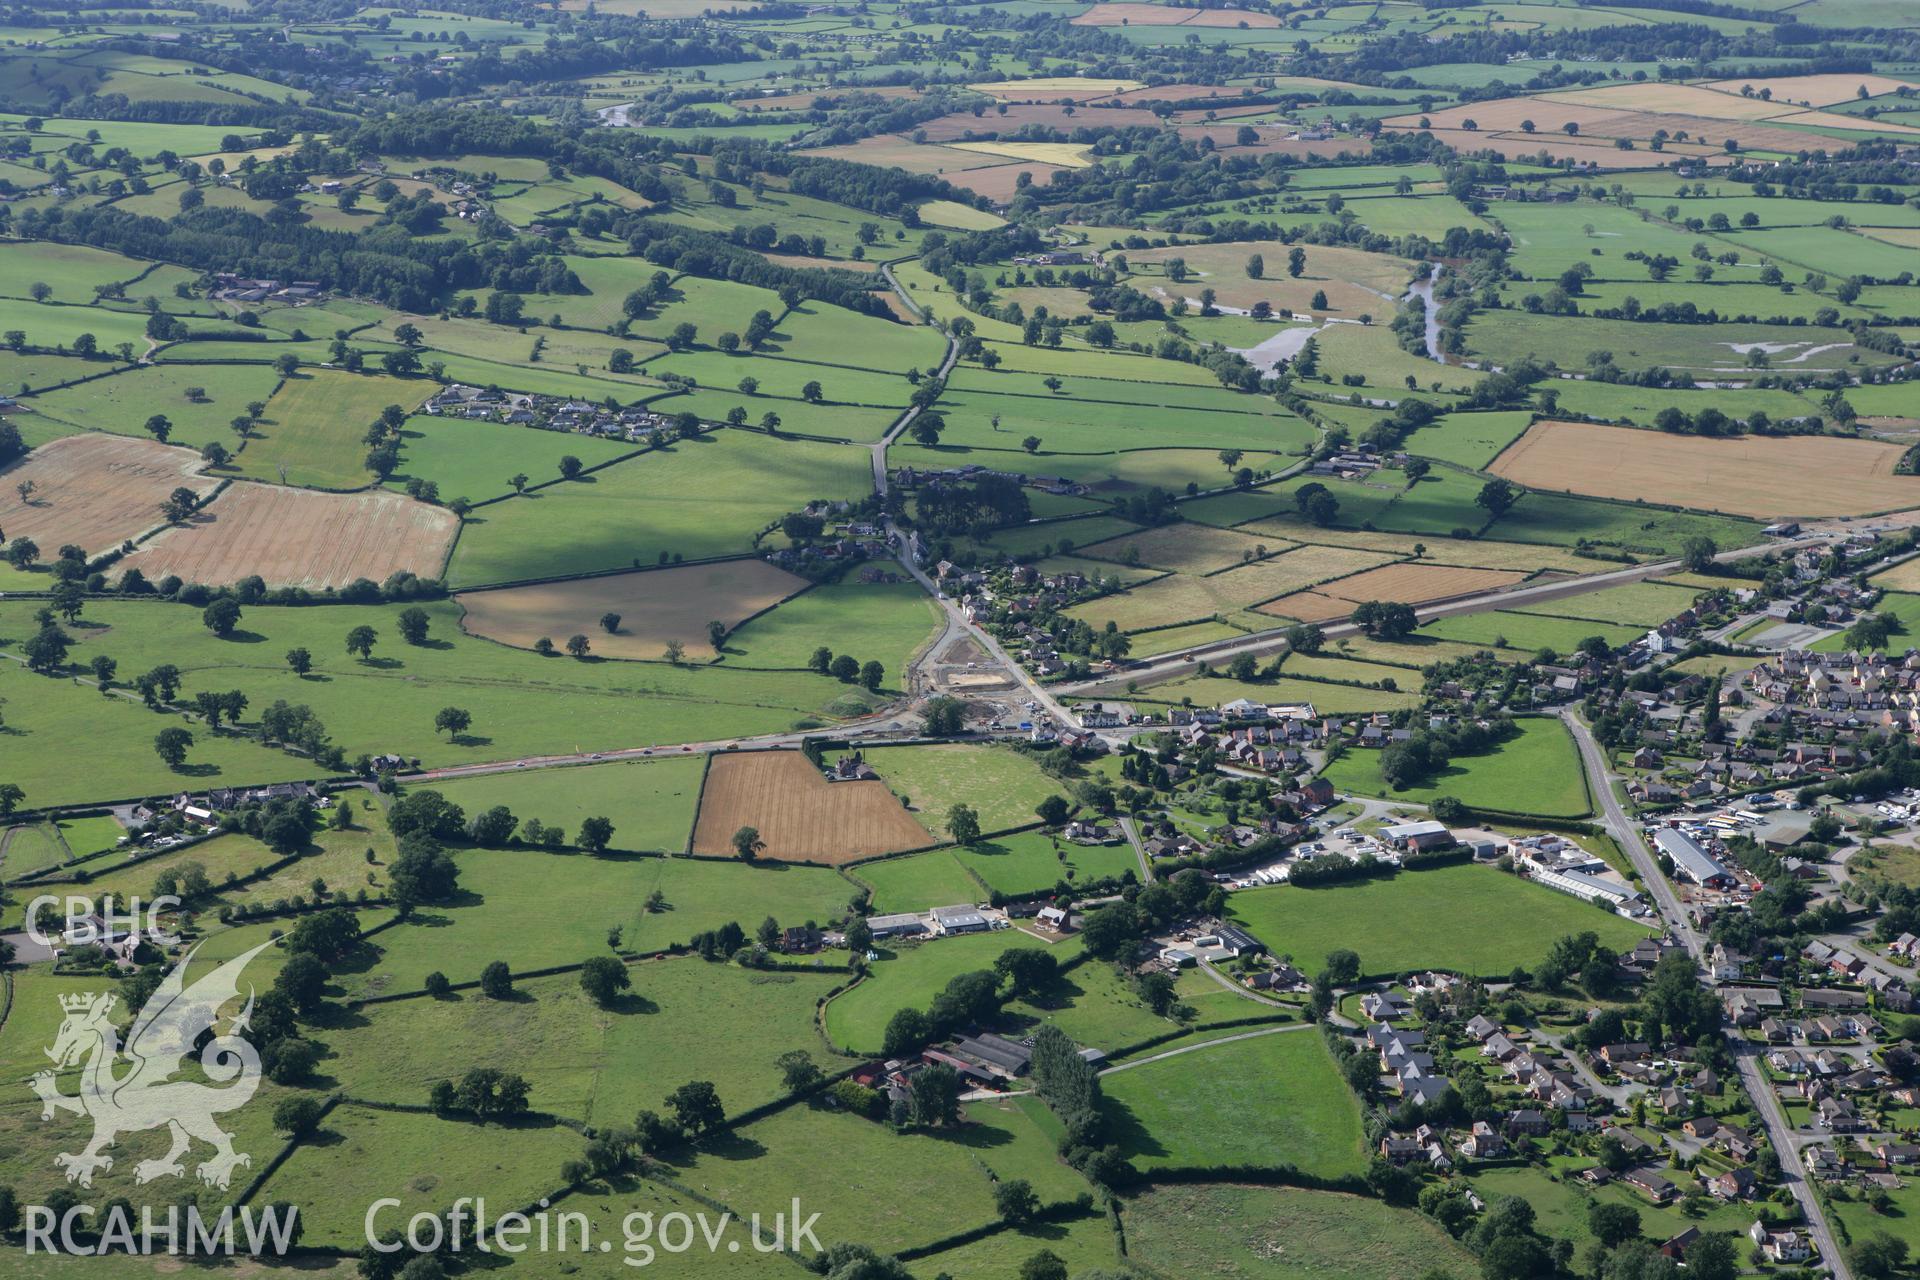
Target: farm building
958	920
900	926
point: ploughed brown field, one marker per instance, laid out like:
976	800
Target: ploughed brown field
94	491
301	538
1750	475
655	606
799	814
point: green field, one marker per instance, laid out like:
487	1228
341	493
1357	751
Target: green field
1033	861
1527	633
1537	771
1430	910
1257	1233
1644	531
650	803
699	498
478	460
910	978
592	1064
314	428
886	622
1267	1100
999	783
917	882
29	848
538	910
522	704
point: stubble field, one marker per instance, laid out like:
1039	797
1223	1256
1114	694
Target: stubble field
799	814
299	537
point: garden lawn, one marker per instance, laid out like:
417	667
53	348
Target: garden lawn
1435	914
1536	772
1270	1100
650	802
699	498
90	835
909	978
1000	784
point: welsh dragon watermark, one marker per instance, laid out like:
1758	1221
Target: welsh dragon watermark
146	1096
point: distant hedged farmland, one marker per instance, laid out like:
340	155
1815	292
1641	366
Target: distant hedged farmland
1029	620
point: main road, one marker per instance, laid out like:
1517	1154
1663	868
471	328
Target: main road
1780	1131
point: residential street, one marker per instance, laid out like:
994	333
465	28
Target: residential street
1780	1132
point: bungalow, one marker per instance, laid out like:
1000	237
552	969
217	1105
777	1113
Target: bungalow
1676	1248
1651	1184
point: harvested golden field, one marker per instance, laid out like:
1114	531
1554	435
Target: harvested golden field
94	490
1401	583
1067	155
1120	13
1752	475
1902	577
1472	553
1354	281
1231	18
1000	182
1050	115
1054	88
891	150
1186	548
1603	155
1813	91
1182	598
655	606
1840	120
1669	99
1905	237
799	814
804	100
301	538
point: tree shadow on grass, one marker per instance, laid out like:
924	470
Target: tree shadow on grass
975	1137
731	1146
382	664
198	770
471	740
1125	1130
630	1002
238	636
